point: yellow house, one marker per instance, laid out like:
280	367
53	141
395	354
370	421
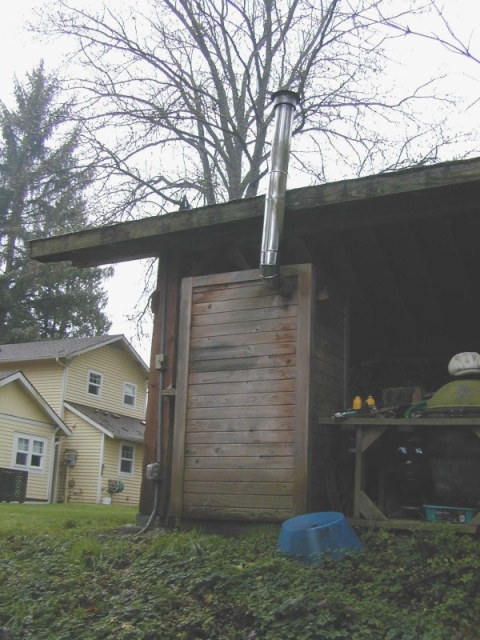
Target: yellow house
97	389
30	433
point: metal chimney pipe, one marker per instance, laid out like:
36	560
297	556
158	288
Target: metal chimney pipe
284	104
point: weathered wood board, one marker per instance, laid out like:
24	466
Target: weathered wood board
243	401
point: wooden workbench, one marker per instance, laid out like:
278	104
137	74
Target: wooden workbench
367	431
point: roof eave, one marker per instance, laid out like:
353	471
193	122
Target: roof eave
148	237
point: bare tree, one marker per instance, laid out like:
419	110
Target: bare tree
455	37
176	93
443	34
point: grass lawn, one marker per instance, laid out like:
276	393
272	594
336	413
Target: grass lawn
71	572
34	519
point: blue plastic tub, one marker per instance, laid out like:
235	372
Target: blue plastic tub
307	537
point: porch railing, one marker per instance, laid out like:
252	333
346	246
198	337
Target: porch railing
13	485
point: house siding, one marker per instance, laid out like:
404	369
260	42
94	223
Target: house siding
47	378
18	413
15	401
116	367
87	441
58	384
131	493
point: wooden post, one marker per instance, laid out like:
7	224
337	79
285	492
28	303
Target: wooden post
359	472
170	264
362	505
303	407
150	438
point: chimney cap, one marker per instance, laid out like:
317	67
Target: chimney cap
285	96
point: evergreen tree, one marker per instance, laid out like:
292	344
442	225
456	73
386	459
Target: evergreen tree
42	187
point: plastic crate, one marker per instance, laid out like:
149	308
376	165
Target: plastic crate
457	515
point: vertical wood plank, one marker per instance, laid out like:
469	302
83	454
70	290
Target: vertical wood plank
306	290
179	427
168	401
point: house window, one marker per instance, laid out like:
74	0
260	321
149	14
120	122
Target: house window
29	453
129	394
94	384
126	460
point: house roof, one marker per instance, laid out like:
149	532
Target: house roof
8	377
115	425
64	349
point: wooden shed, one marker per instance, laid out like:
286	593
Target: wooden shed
385	283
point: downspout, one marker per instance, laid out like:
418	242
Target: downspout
101	467
55	467
64	384
284	104
58	443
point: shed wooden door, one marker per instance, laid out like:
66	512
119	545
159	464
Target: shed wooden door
240	448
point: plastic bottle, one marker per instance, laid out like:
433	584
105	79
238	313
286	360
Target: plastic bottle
357	403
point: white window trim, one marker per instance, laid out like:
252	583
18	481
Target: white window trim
120	458
28	467
96	373
125	404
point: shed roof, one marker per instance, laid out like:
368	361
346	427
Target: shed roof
421	192
404	245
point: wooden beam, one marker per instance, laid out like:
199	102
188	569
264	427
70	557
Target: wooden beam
452	187
368	508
